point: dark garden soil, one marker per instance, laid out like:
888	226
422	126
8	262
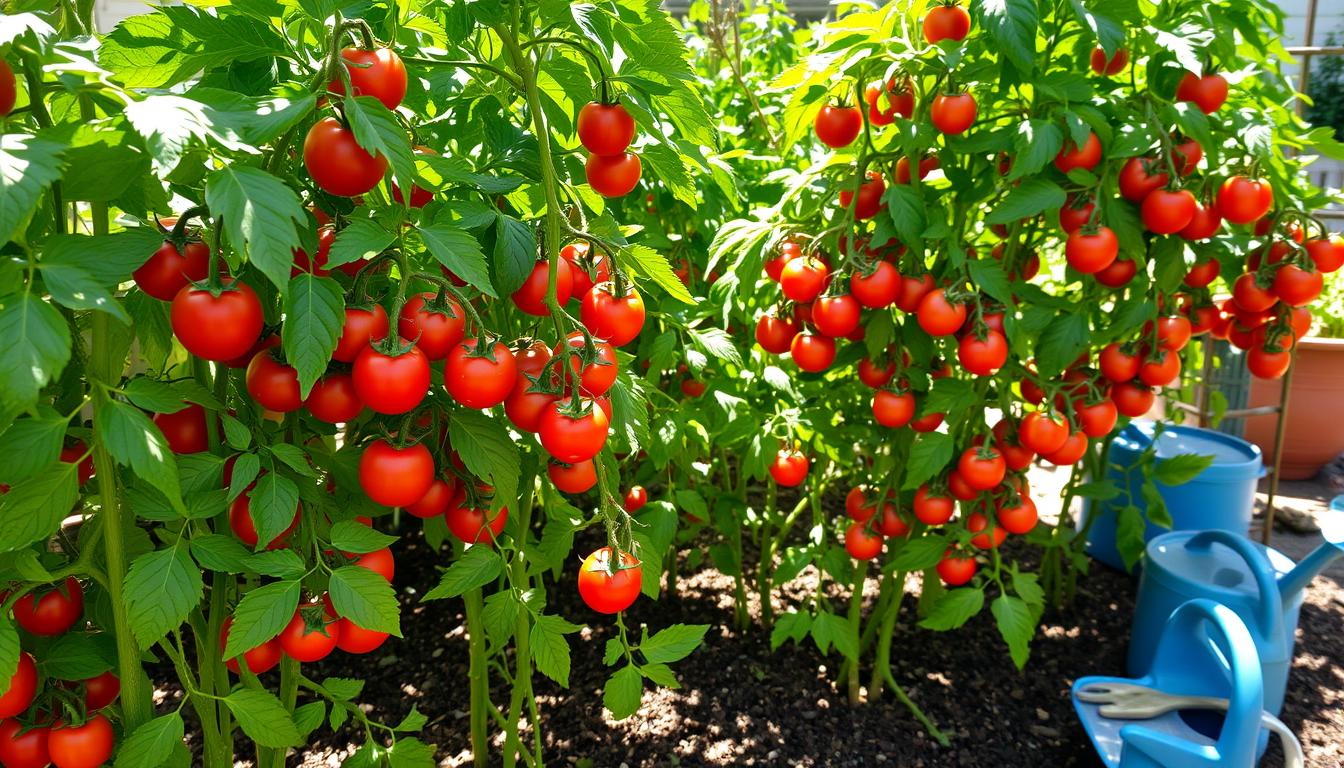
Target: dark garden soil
741	704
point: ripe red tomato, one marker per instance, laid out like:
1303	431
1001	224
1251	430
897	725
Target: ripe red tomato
311	635
836	316
929	422
1075	214
957	486
436	329
80	746
812	352
861	543
337	163
169	269
184	430
1133	400
274	385
605	129
897	102
531	295
1268	365
524	407
876	289
1091	253
1297	287
1117	364
378	73
1327	254
1249	296
572	437
775	334
981	468
28	750
838	126
352	638
932	509
953	113
395	477
1141	175
1085	156
21	689
1017	518
392	385
618	319
1073	449
1208	92
1186	156
912	291
1173	332
597	377
1097	419
471	522
1202	274
613	175
8	89
50	612
635	499
955	570
1107	66
100	691
572	478
362	325
261	659
1118	274
855	502
946	22
789	467
1242	200
938	316
993	535
927	164
803	278
1166	211
217	328
480	381
435	501
1160	369
893	409
1043	432
872	375
333	399
240	521
869	199
983	357
605	591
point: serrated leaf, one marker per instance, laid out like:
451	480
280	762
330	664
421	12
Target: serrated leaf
28	166
28	446
1027	199
929	455
308	717
1181	468
500	615
476	567
161	589
919	554
33	509
260	214
376	130
263	718
1061	343
151	744
487	450
461	253
360	239
36	348
989	277
514	254
354	536
793	625
1013	618
79	656
550	649
260	616
272	504
314	316
954	608
644	261
73	287
365	598
220	552
1012	25
716	343
674	643
623	692
135	442
1035	143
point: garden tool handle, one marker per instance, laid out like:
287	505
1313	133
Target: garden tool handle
1269	611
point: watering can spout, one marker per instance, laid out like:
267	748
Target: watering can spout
1296	580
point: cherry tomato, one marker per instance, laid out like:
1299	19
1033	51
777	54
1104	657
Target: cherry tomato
1327	254
1208	92
803	278
1247	294
261	659
1173	332
893	409
1242	200
912	291
1017	518
434	502
1118	274
240	520
333	399
1091	253
838	126
395	477
1075	214
1297	287
572	437
1202	274
391	385
1166	212
1112	65
983	357
635	499
1186	156
29	749
993	535
876	289
337	163
938	316
874	376
21	689
1160	369
836	316
613	175
1141	175
472	523
861	543
932	509
900	103
352	638
1043	432
101	691
217	328
1073	449
480	380
927	164
929	422
524	407
946	22
1268	365
954	570
869	199
274	385
605	591
184	430
605	129
1117	364
171	269
595	377
812	352
953	113
435	329
80	746
789	468
1133	400
9	92
618	319
531	295
981	468
51	612
378	73
775	334
1097	419
1085	156
311	635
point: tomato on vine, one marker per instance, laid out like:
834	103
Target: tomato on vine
29	748
362	326
1091	252
379	73
789	467
861	543
1085	156
812	352
311	635
531	295
953	113
606	587
955	570
893	409
51	612
1166	212
948	21
480	376
1109	65
572	435
435	324
473	522
261	659
613	175
635	499
1207	91
605	129
938	315
391	384
333	399
273	384
170	269
87	745
337	163
218	327
395	477
610	314
838	126
1242	200
185	429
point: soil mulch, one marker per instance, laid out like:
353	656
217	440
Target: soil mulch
741	704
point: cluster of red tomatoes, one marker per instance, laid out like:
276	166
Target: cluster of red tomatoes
606	131
44	736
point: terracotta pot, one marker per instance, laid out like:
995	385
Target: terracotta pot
1313	435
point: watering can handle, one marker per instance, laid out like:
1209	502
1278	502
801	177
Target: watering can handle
1269	611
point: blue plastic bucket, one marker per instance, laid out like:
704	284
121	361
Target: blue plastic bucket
1222	497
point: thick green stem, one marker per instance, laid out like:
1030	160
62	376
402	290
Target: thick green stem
522	671
882	660
855	611
479	679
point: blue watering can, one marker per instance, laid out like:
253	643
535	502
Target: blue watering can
1259	584
1204	650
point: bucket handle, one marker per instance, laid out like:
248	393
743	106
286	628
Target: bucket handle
1268	612
1241	728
